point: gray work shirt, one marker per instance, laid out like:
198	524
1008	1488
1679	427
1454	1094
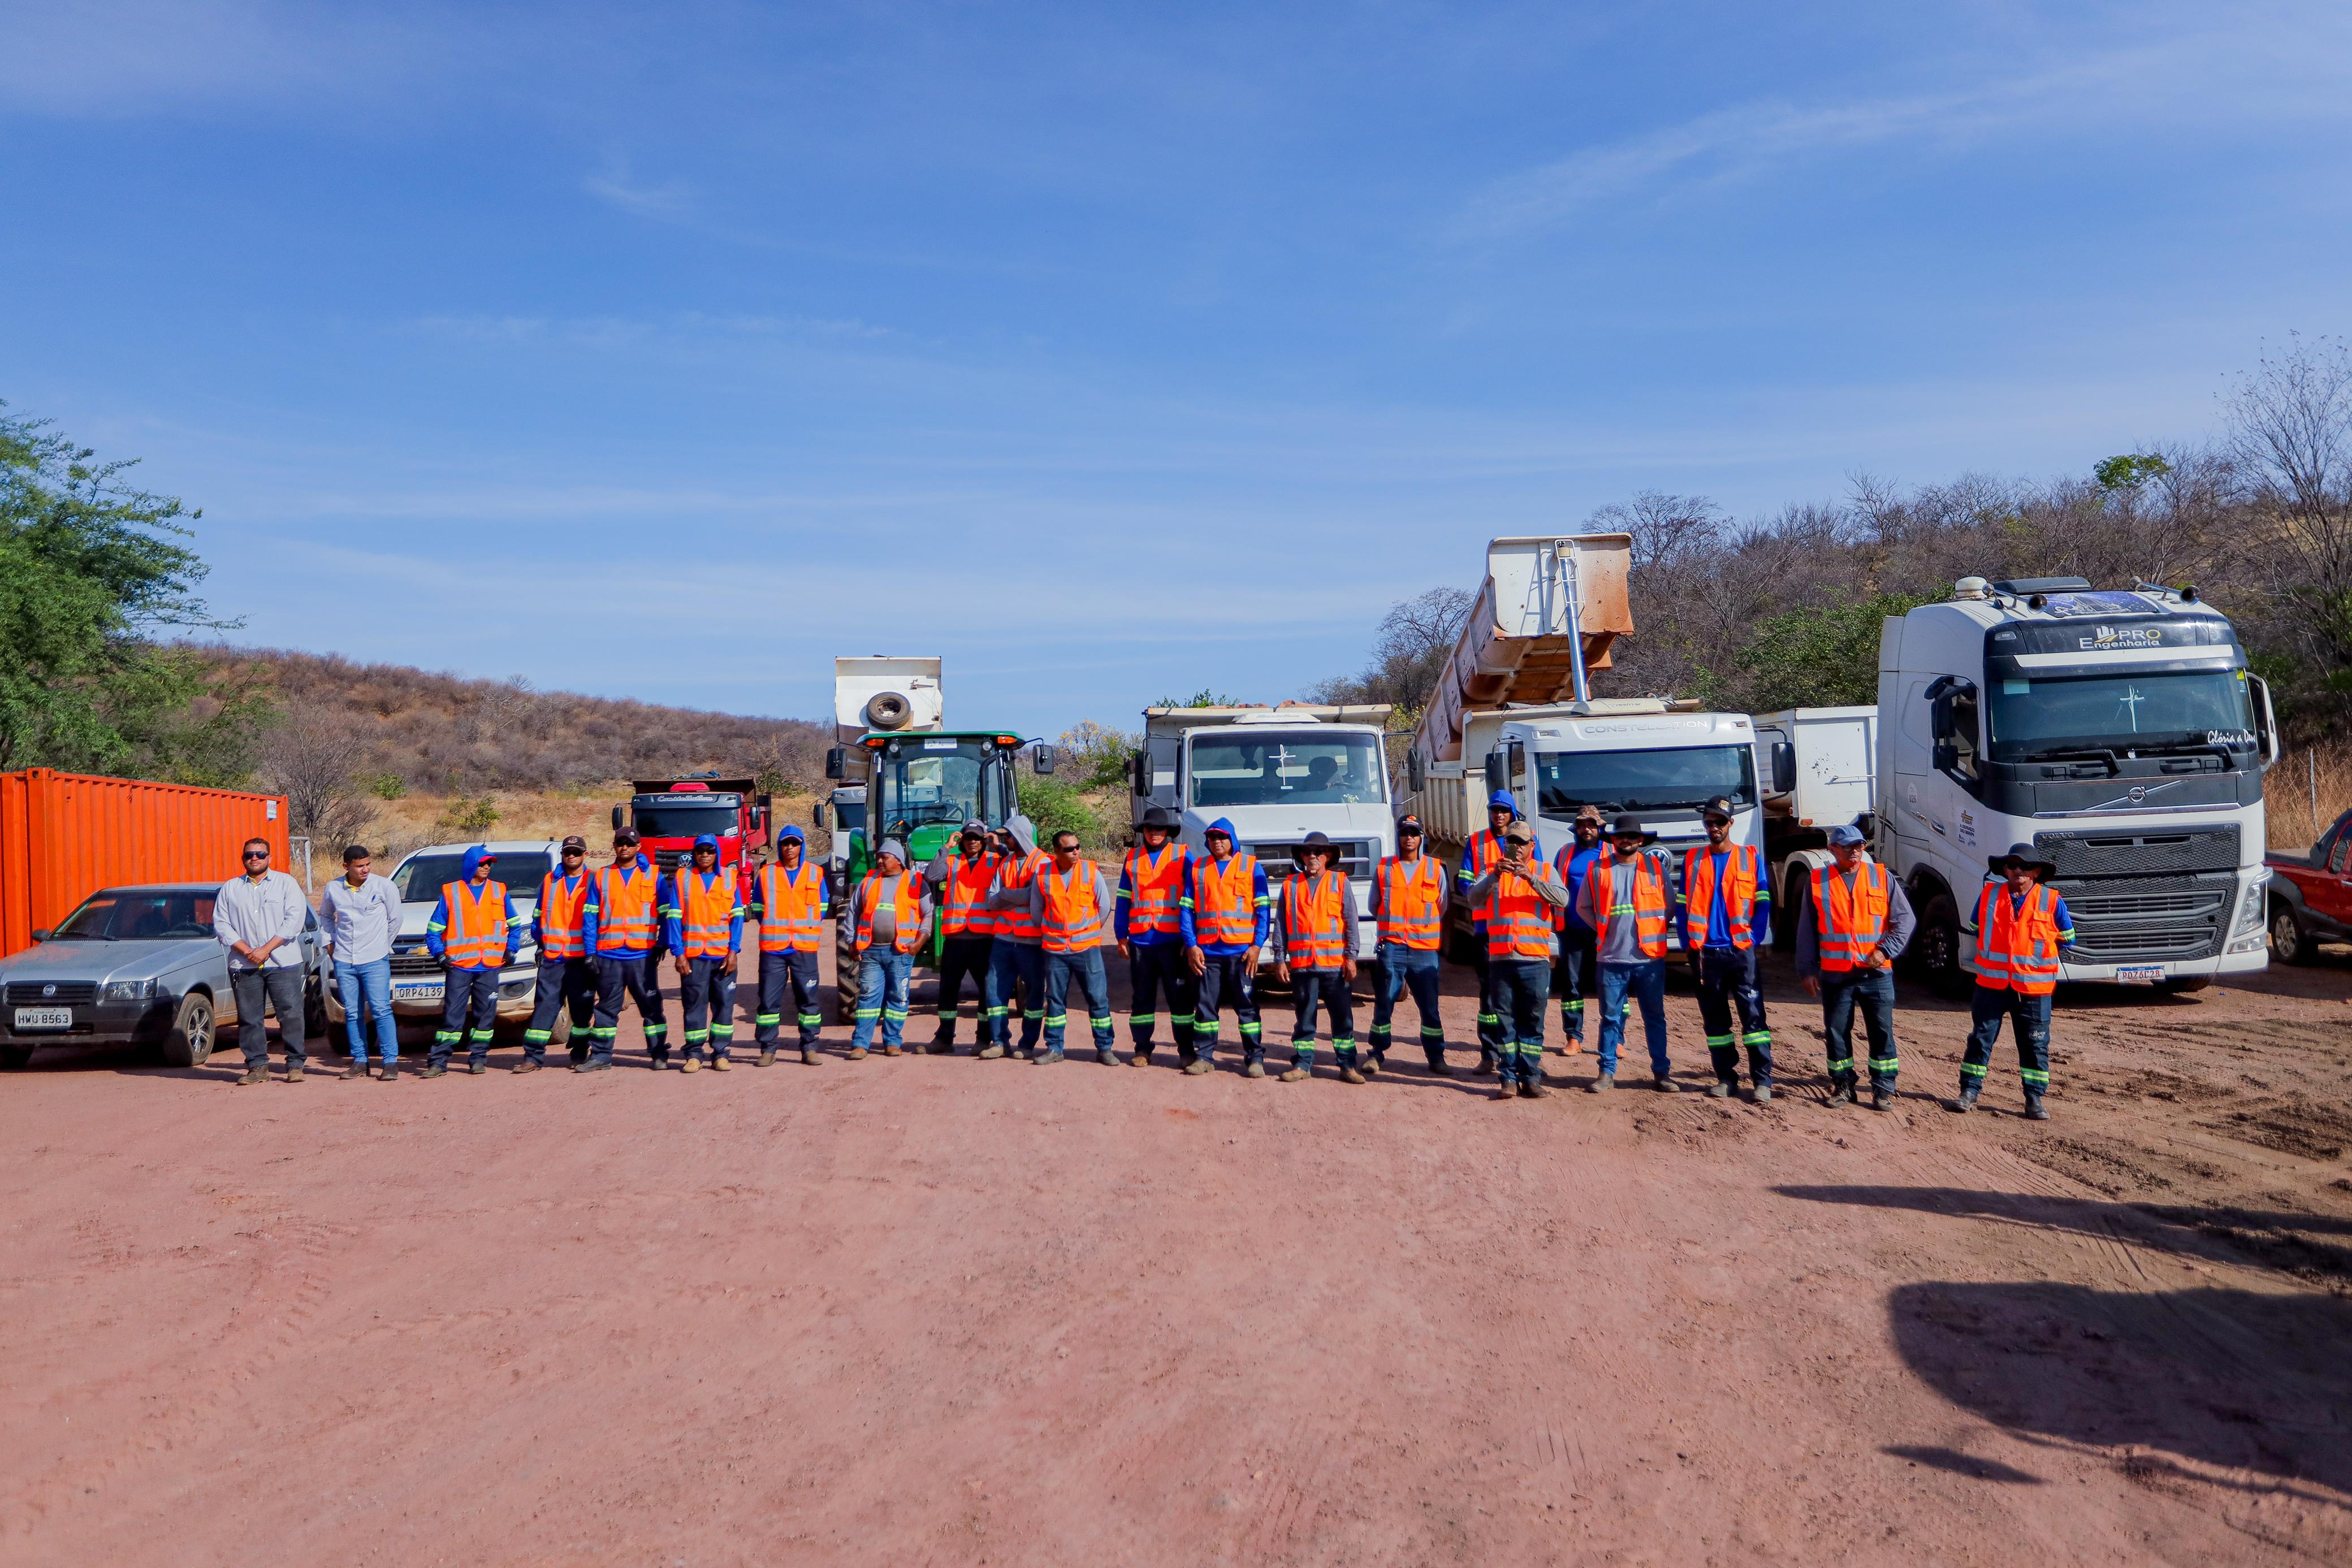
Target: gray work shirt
886	907
1620	938
1348	938
1900	924
361	921
253	910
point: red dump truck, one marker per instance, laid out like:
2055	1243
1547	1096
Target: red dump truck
669	814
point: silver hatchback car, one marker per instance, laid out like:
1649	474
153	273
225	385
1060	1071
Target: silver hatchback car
135	964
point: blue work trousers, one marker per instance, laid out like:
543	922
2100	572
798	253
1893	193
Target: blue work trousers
882	975
1154	970
707	995
1330	989
1518	989
1402	969
1871	993
562	983
794	973
469	1011
366	993
620	978
1017	980
1644	982
2031	1015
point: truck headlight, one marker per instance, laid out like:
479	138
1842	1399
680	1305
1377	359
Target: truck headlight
2250	907
127	991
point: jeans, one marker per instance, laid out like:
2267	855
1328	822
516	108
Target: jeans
1872	991
1226	974
1575	978
707	995
1401	969
1084	967
469	1011
1644	982
1011	963
562	983
1329	986
778	971
1521	988
617	977
1726	978
1156	968
882	975
960	956
366	993
1986	1009
280	989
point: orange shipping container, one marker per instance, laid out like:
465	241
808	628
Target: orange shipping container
63	836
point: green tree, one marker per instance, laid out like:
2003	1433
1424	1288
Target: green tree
1825	656
1056	807
1099	755
91	570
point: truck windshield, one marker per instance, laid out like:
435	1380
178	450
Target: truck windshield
2034	719
937	781
1260	769
421	878
682	821
138	917
1682	777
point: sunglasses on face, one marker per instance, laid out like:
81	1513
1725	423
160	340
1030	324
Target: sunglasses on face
257	854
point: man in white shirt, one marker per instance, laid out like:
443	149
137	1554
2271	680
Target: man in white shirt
361	914
259	918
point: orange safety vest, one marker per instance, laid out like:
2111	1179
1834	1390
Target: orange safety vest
791	907
1739	891
963	899
1648	909
476	936
562	934
705	910
1518	922
1412	901
1224	902
1849	925
2017	949
1312	910
907	905
1074	915
1017	923
624	912
1153	887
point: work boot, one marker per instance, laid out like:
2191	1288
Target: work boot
1186	1056
991	1052
1963	1103
939	1048
1666	1085
1841	1094
1298	1073
1534	1091
1106	1056
254	1075
1143	1056
579	1053
477	1067
1505	1090
356	1070
1763	1095
391	1074
808	1056
856	1053
432	1070
1719	1089
1437	1068
692	1064
767	1056
1048	1057
526	1065
1882	1099
1373	1064
294	1073
2035	1110
657	1060
1603	1084
585	1065
894	1051
1486	1062
1254	1070
721	1065
1350	1075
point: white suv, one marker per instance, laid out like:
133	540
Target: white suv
416	975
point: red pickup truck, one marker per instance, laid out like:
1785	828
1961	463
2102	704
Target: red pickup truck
2311	895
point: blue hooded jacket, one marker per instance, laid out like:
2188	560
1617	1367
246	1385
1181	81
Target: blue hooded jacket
1263	900
673	923
436	929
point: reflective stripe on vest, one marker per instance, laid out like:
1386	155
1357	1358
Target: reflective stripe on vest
1073	914
1153	886
705	910
2017	949
791	907
964	896
1849	925
906	908
624	916
1017	923
1739	891
1518	922
1312	911
1647	910
1412	901
1224	901
476	937
562	934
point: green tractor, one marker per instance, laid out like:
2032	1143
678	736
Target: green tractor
922	784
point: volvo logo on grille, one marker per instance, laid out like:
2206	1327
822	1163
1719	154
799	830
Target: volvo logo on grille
2139	793
48	990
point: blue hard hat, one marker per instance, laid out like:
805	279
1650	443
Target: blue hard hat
1503	800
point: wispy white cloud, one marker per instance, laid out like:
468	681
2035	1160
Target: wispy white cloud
619	184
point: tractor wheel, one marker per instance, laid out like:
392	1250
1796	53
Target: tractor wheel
844	969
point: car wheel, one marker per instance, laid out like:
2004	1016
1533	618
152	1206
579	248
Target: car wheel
314	1008
13	1057
2289	941
190	1043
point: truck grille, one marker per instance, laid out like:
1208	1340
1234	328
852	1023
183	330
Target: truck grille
1356	858
2152	853
2136	919
28	993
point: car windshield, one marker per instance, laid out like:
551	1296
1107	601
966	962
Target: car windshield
1682	777
421	878
936	779
1287	769
2032	719
682	821
113	916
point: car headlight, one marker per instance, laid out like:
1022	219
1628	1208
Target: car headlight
127	991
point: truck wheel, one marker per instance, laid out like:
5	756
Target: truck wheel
2289	940
190	1043
13	1057
1936	950
845	972
2183	984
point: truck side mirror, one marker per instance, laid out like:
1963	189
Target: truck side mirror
619	820
1416	772
820	813
1498	778
1515	763
1138	769
836	762
1784	766
1044	760
2266	734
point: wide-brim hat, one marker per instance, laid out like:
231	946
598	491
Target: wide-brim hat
1318	841
2026	852
1161	818
1628	826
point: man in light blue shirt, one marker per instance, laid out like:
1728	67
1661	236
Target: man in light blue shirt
259	918
362	912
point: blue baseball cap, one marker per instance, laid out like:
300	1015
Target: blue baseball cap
1844	835
708	842
791	831
1503	800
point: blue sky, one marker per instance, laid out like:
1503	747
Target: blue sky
1108	351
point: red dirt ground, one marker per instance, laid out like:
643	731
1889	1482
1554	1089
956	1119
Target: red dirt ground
934	1310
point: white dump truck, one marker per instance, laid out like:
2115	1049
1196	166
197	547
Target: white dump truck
1277	774
1819	766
